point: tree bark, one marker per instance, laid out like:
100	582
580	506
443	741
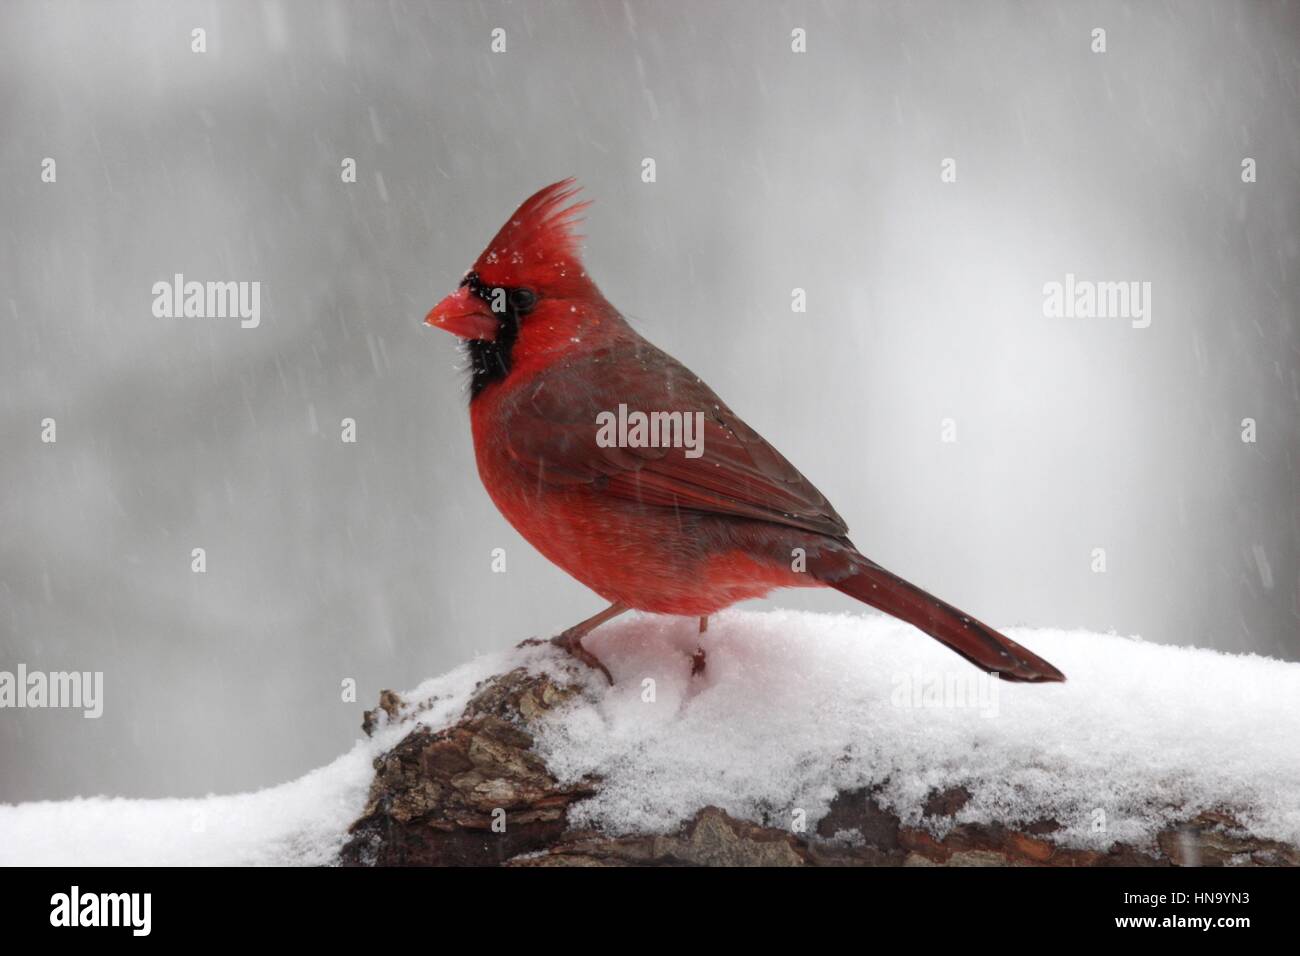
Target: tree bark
477	794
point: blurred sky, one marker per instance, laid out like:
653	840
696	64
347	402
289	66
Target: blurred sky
775	170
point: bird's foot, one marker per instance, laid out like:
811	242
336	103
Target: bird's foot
571	641
699	658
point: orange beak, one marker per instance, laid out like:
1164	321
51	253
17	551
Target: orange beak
465	314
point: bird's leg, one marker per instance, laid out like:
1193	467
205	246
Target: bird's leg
699	658
571	639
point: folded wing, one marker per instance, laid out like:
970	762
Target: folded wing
551	429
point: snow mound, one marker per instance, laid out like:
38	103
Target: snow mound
793	709
301	823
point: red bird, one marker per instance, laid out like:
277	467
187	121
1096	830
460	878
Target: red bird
669	530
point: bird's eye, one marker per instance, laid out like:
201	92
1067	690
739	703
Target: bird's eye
523	300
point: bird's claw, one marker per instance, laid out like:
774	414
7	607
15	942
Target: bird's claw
572	643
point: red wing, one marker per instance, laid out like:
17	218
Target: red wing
551	429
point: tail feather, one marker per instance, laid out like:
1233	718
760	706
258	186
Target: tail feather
972	639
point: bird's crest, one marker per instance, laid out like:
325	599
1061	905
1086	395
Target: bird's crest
539	242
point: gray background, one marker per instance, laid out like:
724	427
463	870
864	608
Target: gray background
776	170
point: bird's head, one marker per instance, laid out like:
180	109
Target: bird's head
532	266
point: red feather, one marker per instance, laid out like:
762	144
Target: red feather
538	245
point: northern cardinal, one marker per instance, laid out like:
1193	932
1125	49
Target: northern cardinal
669	530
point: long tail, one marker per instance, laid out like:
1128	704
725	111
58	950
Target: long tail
972	639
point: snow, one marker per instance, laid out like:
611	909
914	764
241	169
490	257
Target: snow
298	823
793	708
301	823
